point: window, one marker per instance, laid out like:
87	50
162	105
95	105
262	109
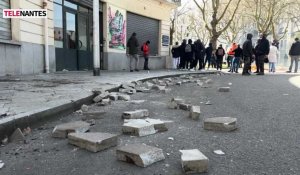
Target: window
5	23
58	26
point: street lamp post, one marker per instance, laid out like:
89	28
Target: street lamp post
96	40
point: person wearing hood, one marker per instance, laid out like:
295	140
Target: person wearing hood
209	54
176	55
295	55
182	55
199	50
189	53
220	52
248	54
262	52
132	50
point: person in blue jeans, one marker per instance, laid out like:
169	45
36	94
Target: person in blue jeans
238	54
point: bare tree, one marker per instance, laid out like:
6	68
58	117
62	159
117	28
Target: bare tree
216	24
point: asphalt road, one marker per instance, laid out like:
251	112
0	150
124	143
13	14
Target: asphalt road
267	140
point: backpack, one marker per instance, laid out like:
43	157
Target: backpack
188	48
220	52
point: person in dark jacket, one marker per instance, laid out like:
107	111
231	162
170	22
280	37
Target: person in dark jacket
132	50
256	56
176	55
248	54
199	51
146	51
189	53
182	55
262	52
208	53
220	52
295	55
238	54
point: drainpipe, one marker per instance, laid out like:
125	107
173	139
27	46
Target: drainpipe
96	40
46	40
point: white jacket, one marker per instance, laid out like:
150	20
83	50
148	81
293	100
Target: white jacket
273	54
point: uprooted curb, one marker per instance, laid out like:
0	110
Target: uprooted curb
34	118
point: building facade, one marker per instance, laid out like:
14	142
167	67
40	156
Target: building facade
63	41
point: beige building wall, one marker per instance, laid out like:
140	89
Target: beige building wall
29	29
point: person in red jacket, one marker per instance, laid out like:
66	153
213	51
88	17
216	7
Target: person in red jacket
146	51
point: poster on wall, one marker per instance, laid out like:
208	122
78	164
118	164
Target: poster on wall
165	40
116	28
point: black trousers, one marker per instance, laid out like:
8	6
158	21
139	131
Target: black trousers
189	63
261	63
182	62
200	59
146	62
247	64
219	62
207	60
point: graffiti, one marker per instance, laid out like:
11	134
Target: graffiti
117	28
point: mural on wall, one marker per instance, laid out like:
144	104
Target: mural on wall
116	28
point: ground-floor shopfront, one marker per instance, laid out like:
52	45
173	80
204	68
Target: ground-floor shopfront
70	35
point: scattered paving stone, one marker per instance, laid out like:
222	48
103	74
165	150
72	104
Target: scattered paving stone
208	103
84	108
93	115
27	131
98	91
208	81
138	127
1	164
219	152
149	85
158	88
62	130
193	161
168	79
92	122
124	97
136	101
166	91
113	96
137	114
17	136
199	83
184	106
159	125
128	85
174	103
127	91
93	142
224	89
229	84
203	78
169	84
195	112
140	155
5	141
171	138
220	124
142	89
179	83
99	97
104	102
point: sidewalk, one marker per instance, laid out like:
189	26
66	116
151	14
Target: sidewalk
27	99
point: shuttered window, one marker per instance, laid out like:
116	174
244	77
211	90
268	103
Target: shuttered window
5	26
145	28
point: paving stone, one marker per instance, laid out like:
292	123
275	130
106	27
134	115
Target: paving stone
62	130
208	103
174	103
200	84
220	123
104	102
128	85
166	91
179	83
193	161
84	108
113	96
170	83
142	89
93	115
141	113
127	91
140	155
17	136
124	97
93	142
159	125
138	127
99	97
168	79
195	112
98	91
158	88
184	106
208	81
136	101
149	85
224	89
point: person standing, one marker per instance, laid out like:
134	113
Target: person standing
220	52
247	53
208	53
231	54
262	51
189	55
146	51
238	54
199	54
182	55
176	55
272	57
295	55
132	50
256	56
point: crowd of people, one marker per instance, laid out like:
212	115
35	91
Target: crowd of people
192	56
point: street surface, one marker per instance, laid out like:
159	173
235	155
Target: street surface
267	140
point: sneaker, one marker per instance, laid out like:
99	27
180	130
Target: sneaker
192	70
260	73
247	74
136	70
288	71
131	70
